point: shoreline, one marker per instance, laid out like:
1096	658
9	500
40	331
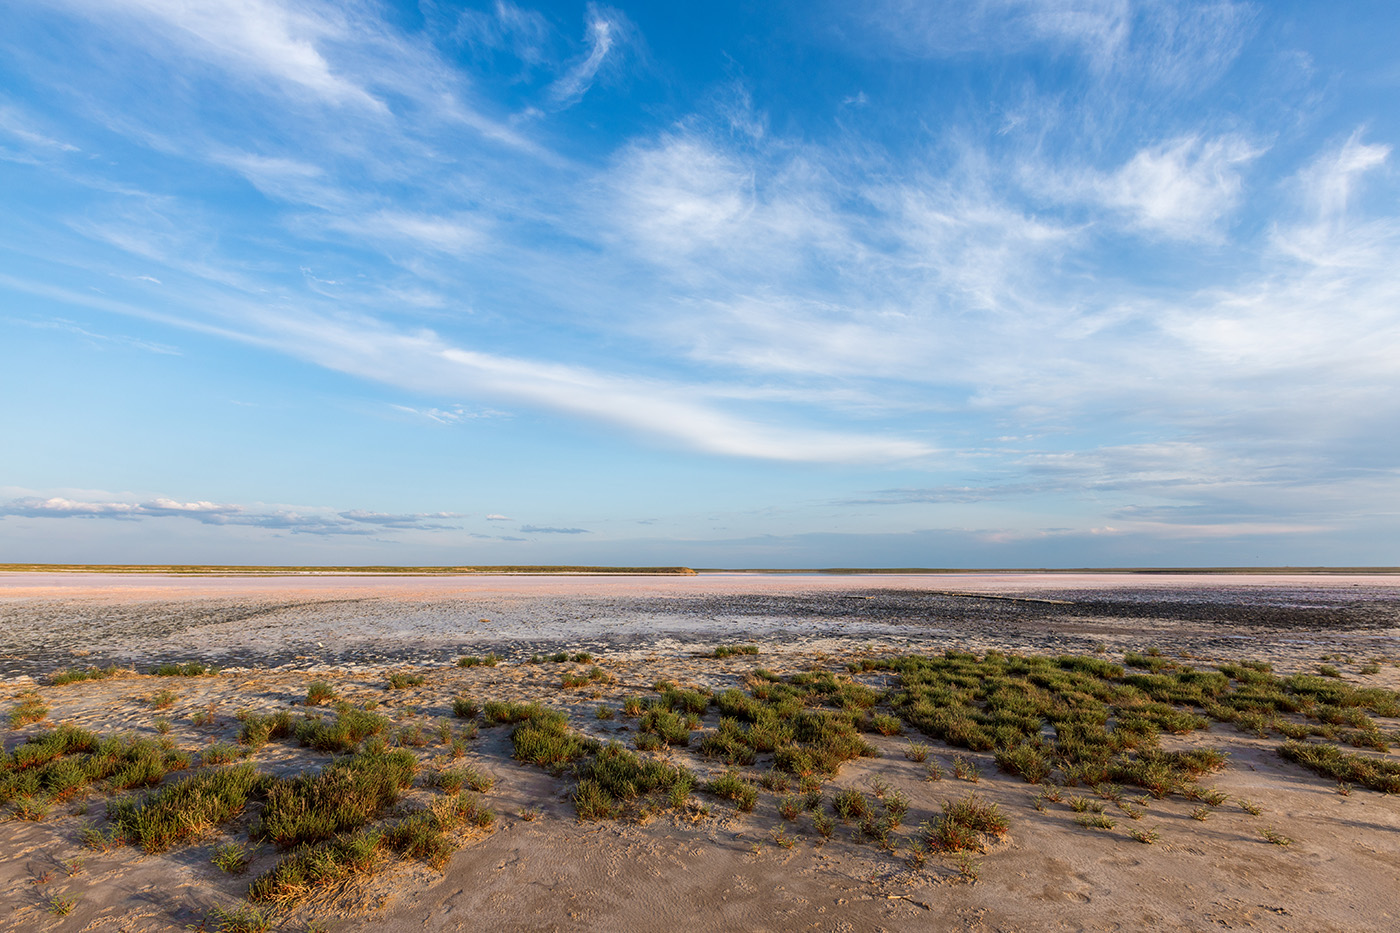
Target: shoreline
53	621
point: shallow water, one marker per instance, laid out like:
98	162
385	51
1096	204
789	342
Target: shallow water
50	621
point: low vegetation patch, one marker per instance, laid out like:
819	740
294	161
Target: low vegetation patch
1056	722
1330	761
258	730
186	809
66	761
30	708
350	727
312	867
343	797
504	712
424	835
730	786
75	675
594	675
186	669
615	778
729	651
966	824
542	737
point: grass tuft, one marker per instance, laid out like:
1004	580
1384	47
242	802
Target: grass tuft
1330	761
965	823
729	651
75	675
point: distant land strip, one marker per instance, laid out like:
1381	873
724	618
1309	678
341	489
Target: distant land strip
1054	570
367	570
546	569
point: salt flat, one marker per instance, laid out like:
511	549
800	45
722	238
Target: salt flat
389	647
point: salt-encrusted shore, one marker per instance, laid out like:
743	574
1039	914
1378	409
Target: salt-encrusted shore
708	865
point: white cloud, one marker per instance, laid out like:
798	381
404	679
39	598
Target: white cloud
525	33
1329	236
681	196
457	414
457	235
260	37
606	28
21	127
1183	188
1177	44
104	339
355	522
284	178
61	507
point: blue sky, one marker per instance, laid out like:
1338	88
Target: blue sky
997	283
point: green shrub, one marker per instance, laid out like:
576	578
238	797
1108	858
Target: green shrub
671	728
616	776
343	797
544	738
309	868
729	651
850	804
1027	760
219	753
592	802
74	675
186	808
258	730
964	823
1330	761
187	669
496	712
231	857
730	786
29	709
595	675
350	727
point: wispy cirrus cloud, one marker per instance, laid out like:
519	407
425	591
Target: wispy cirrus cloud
120	340
1187	44
607	28
525	33
279	42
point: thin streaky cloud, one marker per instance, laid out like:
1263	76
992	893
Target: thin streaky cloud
606	27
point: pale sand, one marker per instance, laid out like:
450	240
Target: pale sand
724	871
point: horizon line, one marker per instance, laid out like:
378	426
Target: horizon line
567	569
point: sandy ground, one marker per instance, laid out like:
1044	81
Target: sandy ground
540	869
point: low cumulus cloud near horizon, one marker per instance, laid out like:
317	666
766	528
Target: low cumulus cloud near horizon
297	521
